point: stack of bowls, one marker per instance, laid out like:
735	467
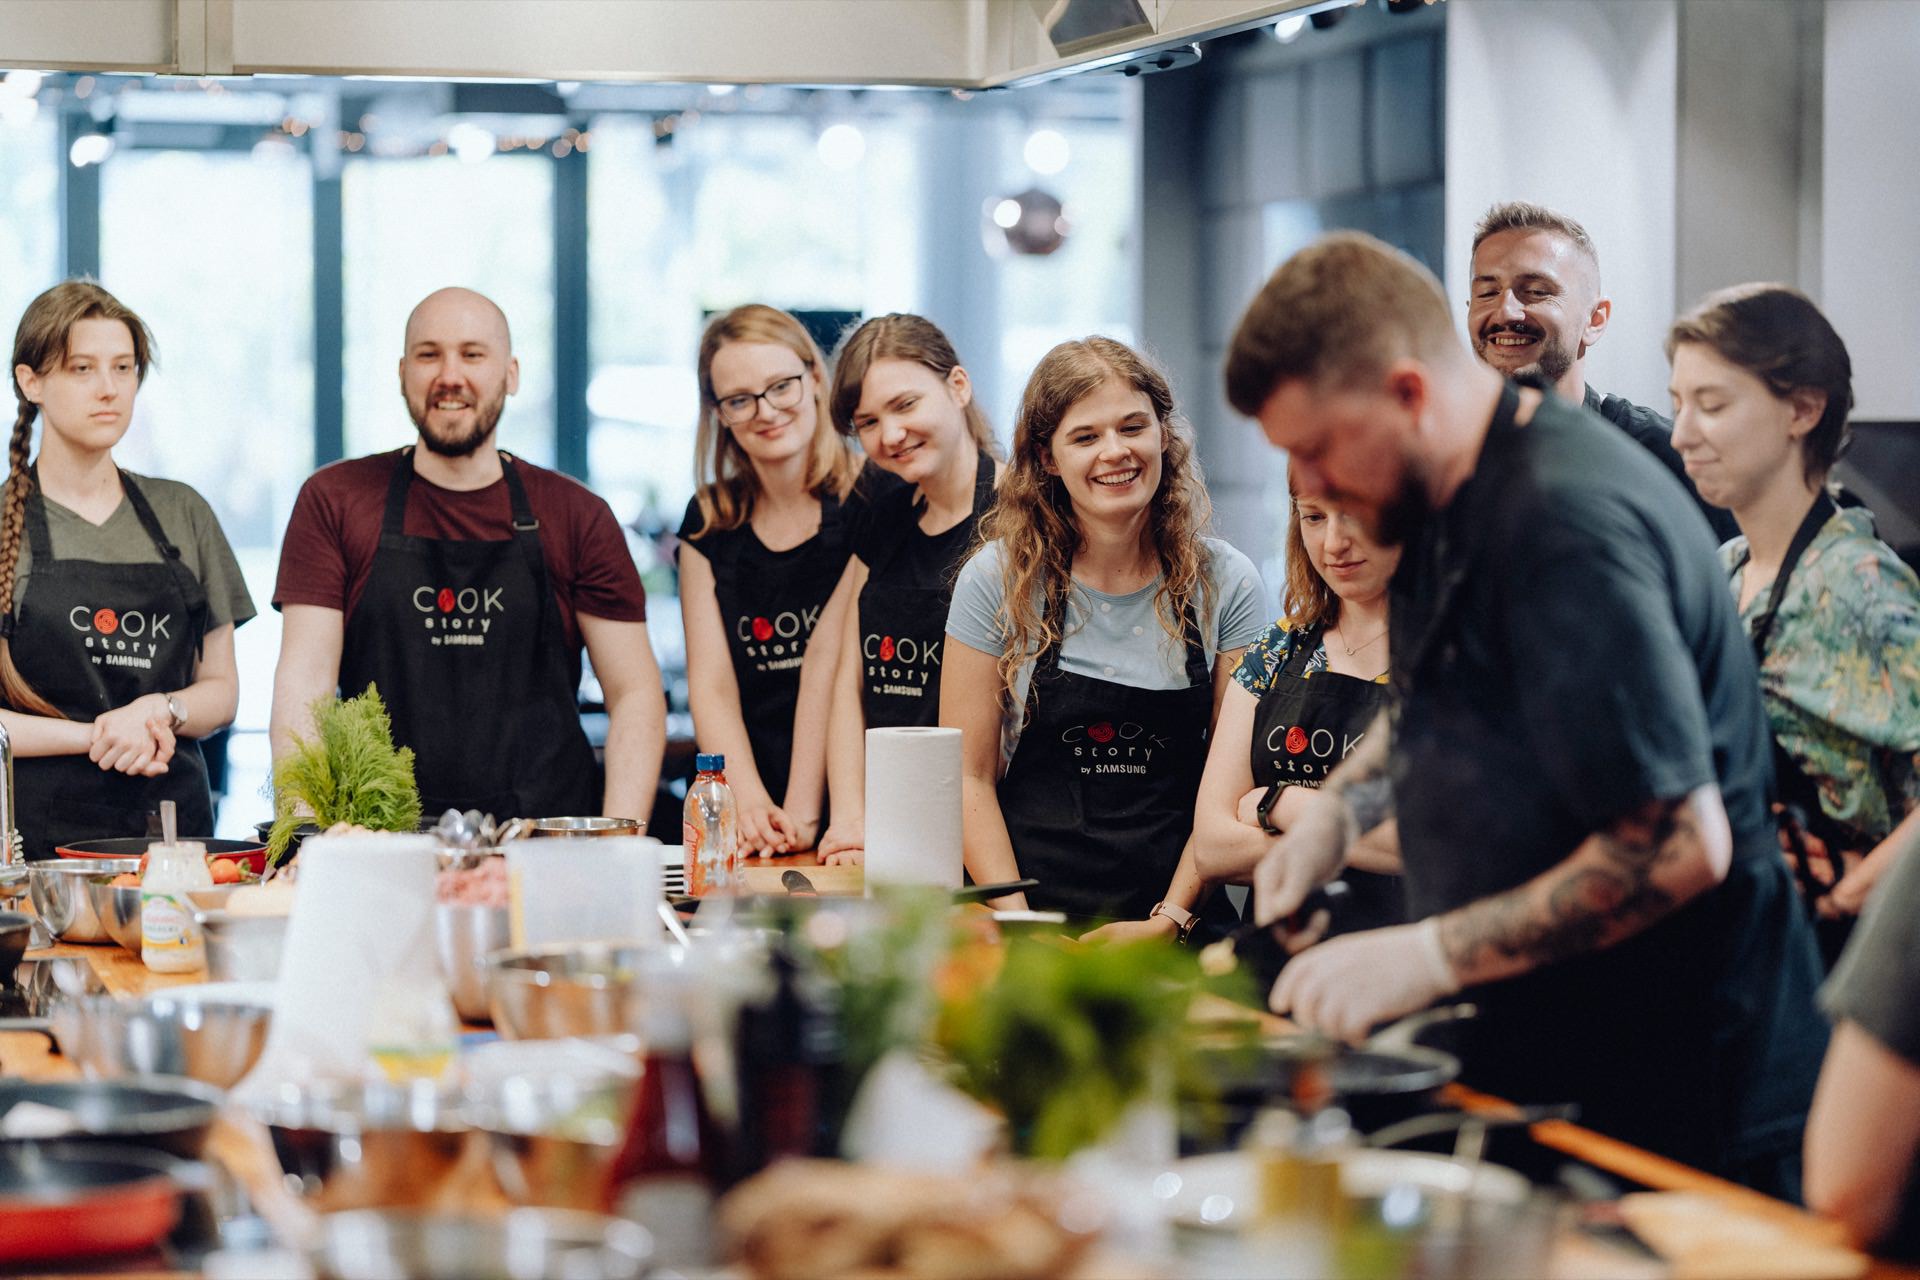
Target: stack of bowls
62	895
242	948
366	1146
212	1039
464	935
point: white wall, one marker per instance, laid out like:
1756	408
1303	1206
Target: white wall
1573	104
1871	204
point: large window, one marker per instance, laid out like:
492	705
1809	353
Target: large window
213	250
29	213
417	225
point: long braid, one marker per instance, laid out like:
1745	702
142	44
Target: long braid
19	695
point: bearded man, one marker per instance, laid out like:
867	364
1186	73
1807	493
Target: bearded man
464	582
1534	310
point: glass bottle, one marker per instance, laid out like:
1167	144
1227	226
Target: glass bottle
170	940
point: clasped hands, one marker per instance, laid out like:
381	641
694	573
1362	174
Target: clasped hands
1345	986
136	739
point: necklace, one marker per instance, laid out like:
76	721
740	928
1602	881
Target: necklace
1353	649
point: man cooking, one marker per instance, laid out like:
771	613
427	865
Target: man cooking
1534	310
1578	756
463	582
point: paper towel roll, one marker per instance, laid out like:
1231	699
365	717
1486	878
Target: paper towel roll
363	912
604	889
913	807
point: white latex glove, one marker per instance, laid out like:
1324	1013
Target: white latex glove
1347	986
1312	852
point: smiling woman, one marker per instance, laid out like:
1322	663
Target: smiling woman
1090	640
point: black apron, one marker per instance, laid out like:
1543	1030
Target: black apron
903	616
1798	794
464	639
769	603
1099	796
1303	728
90	637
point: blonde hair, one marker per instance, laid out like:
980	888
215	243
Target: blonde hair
40	343
725	483
1307	601
1033	519
899	337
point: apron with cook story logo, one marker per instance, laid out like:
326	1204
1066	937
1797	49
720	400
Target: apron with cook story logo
770	602
1099	796
1303	727
465	641
903	616
89	637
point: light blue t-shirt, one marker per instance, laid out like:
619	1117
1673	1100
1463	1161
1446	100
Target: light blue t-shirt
1117	638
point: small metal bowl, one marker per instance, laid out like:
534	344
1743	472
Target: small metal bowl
16	935
586	989
212	1040
366	1146
574	827
117	908
161	1113
242	948
61	898
464	936
526	1244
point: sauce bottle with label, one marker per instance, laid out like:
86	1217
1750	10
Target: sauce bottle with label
170	941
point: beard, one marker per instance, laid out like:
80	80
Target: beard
1548	368
486	417
1398	519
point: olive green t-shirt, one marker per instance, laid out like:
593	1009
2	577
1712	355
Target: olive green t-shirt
187	521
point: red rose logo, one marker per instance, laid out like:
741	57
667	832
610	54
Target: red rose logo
1296	740
886	648
1101	733
445	599
762	630
106	622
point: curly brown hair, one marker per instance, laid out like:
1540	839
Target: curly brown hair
725	483
1033	518
40	343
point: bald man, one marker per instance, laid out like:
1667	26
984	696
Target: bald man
464	582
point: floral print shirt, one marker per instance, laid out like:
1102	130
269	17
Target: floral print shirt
1266	657
1841	679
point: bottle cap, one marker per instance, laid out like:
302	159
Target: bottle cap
704	763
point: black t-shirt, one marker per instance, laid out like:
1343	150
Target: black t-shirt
1565	650
1655	433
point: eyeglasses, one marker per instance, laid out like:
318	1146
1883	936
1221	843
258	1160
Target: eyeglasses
740	409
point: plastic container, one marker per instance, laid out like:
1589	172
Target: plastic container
711	835
170	938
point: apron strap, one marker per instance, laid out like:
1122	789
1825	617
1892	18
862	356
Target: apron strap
525	526
393	522
39	541
1197	672
1822	510
193	595
1295	667
983	483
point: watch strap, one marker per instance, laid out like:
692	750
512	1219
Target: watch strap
1183	919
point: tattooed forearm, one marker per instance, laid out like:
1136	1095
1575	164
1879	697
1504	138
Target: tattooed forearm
1615	884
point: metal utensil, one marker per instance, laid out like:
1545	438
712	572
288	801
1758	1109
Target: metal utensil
242	948
61	1201
464	935
586	989
988	892
1265	945
575	827
163	1113
796	882
169	823
117	907
671	918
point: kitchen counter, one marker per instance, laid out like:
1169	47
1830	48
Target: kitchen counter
30	1055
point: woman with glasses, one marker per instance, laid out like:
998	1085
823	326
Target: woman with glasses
899	387
763	544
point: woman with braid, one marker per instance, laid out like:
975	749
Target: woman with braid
116	649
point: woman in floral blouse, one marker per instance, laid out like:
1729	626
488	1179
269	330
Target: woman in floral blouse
1761	390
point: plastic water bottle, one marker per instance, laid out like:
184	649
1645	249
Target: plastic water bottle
709	829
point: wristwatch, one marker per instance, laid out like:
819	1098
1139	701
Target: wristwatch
1183	919
178	710
1265	812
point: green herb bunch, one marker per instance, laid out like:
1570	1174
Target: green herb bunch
1067	1036
349	771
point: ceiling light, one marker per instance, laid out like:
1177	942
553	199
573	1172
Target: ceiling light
841	146
90	148
1046	151
470	142
22	83
1288	29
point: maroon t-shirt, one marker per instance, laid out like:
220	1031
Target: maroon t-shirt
335	529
